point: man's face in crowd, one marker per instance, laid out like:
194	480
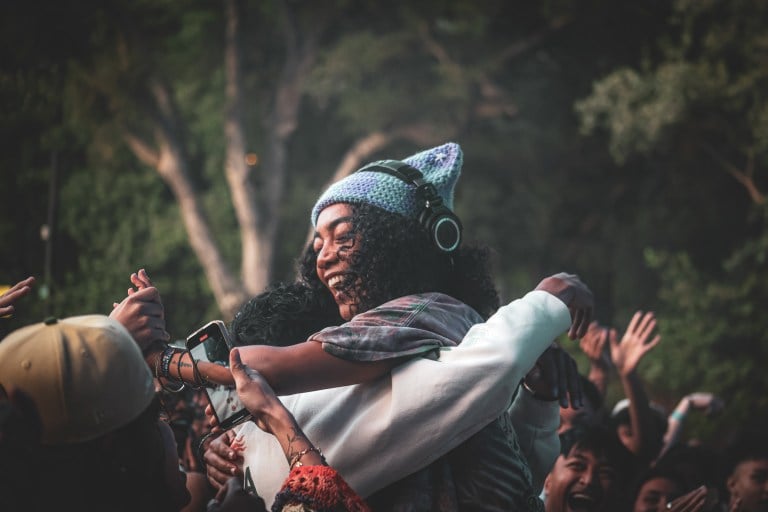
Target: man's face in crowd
655	493
749	482
581	482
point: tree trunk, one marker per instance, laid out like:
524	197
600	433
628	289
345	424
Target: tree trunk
170	162
256	250
282	122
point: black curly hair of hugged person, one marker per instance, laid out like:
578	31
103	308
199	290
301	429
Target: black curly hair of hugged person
396	258
284	314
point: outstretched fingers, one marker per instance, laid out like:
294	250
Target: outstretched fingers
14	293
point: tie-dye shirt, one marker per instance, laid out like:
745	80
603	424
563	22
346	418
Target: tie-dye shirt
414	325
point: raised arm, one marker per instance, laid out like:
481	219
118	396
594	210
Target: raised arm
594	344
637	341
294	369
701	401
297	368
310	482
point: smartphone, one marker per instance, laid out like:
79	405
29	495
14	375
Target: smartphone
211	343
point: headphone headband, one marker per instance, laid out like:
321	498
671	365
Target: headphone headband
443	226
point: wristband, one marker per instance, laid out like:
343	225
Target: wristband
165	361
162	370
677	415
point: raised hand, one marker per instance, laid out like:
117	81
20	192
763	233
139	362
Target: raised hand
270	415
635	343
255	393
693	501
593	345
140	280
576	295
706	402
556	377
17	291
142	313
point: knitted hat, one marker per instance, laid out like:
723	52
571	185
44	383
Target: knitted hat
440	166
85	374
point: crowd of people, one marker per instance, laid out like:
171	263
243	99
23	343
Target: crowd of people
386	377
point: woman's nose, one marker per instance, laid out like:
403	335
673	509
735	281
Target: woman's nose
325	256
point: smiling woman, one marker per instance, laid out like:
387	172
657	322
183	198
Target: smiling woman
366	256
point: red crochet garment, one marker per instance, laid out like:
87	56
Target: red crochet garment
321	489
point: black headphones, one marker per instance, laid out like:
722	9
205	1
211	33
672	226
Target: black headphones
443	226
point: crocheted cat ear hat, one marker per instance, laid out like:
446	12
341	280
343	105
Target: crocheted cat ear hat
441	166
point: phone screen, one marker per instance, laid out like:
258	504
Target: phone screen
211	344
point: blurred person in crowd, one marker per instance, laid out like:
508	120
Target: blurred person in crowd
655	488
698	465
591	474
639	428
747	472
102	445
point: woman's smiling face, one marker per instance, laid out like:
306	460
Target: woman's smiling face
335	242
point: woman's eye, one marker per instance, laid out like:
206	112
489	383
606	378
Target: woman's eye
345	241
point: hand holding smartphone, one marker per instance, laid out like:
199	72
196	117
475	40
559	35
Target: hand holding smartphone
211	343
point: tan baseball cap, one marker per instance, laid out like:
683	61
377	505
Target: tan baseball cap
85	373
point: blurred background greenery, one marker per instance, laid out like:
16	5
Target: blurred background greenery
623	141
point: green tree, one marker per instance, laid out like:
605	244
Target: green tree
694	114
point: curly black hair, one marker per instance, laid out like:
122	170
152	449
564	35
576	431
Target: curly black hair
284	314
396	258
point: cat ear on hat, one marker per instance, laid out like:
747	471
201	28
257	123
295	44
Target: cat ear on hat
440	166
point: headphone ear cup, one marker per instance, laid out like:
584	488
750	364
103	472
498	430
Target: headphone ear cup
443	227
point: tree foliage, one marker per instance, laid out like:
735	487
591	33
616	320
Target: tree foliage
694	109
